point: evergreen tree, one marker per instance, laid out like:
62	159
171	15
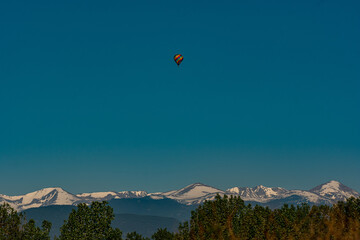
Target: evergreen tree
14	226
229	218
135	236
183	231
90	222
162	234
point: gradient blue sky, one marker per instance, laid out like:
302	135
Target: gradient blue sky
91	99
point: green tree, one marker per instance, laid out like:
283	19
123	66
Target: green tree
215	219
90	222
135	236
228	218
162	234
183	231
14	226
31	232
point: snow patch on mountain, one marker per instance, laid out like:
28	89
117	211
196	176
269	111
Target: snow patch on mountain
43	197
310	197
327	193
193	194
104	196
335	191
259	193
132	194
57	196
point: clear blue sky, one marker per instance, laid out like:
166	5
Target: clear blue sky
91	99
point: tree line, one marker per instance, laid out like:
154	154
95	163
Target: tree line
225	218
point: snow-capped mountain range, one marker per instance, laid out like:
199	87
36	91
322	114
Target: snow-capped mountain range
328	193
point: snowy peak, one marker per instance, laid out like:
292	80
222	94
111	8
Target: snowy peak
58	196
335	191
267	191
327	193
191	194
98	195
194	191
132	194
259	193
105	196
40	198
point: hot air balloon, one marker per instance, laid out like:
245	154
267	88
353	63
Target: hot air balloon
178	58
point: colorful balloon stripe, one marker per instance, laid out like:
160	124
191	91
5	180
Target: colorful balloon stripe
178	58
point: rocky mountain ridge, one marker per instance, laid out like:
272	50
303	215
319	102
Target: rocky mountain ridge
327	193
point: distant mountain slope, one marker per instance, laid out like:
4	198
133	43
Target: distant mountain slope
335	191
105	196
41	198
265	195
258	193
143	224
193	194
327	193
155	207
56	214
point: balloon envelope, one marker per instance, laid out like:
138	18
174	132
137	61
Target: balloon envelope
178	58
